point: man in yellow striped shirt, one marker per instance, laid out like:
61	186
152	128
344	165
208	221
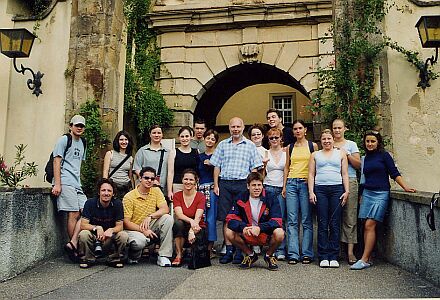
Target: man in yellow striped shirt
146	219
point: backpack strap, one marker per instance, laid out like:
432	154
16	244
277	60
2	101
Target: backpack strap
159	169
119	165
68	145
310	143
311	148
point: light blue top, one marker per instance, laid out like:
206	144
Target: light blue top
328	169
351	148
236	161
71	166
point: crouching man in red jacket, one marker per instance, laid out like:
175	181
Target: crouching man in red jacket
255	219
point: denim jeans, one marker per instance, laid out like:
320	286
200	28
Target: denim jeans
329	213
211	213
277	192
298	205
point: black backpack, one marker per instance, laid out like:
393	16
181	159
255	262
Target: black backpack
49	165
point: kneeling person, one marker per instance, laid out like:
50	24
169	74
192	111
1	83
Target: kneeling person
102	227
255	219
146	219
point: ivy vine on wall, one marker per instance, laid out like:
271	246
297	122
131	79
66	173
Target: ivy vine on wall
96	141
346	86
143	105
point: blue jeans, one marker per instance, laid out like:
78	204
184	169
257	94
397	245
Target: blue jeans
298	205
277	192
329	213
211	213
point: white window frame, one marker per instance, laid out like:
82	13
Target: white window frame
289	114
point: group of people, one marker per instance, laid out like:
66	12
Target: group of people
260	189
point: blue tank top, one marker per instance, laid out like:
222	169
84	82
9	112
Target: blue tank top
328	169
206	172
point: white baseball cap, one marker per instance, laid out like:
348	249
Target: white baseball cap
78	119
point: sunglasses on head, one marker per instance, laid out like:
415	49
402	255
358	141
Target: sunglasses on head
430	215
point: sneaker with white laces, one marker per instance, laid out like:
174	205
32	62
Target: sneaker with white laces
163	261
324	263
334	264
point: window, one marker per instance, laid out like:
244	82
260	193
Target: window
286	105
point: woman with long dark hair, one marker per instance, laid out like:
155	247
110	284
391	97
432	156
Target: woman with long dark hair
118	164
377	167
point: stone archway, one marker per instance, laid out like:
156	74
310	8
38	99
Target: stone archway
221	87
205	45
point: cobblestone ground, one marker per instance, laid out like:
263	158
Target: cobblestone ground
58	279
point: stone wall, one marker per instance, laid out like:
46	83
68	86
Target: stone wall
96	67
405	238
31	230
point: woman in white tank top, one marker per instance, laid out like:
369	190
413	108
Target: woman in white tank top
273	181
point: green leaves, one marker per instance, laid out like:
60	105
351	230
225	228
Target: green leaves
20	170
143	105
96	140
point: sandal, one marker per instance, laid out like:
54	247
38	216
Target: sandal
292	261
72	252
351	260
117	263
306	260
85	265
177	262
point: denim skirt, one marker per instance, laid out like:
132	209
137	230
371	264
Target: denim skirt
374	205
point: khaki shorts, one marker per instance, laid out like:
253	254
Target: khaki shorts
71	199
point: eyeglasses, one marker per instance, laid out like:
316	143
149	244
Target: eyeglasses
274	138
430	215
148	178
80	125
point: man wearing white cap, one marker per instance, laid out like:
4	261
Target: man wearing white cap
66	183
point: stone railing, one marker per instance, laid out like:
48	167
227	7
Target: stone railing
31	230
405	238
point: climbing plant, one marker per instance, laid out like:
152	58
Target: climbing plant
143	105
346	86
96	140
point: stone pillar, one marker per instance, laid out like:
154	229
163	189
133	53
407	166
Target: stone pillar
96	66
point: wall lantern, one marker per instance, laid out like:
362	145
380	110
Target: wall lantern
17	43
429	33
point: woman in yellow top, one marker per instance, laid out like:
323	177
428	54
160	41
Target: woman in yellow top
297	196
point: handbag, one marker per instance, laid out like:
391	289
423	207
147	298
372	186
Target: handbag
199	257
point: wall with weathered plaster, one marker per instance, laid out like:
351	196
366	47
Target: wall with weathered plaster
34	121
415	113
81	51
31	230
406	240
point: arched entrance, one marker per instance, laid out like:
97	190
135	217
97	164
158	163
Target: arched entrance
220	88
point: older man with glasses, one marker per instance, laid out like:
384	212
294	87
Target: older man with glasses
146	219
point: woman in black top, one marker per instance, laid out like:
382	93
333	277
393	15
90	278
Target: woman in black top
183	157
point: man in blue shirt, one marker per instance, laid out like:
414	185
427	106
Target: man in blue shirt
66	183
233	160
102	222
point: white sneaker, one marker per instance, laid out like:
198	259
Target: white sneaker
334	264
163	261
281	257
324	264
256	249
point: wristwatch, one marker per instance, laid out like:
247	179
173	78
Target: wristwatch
94	229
